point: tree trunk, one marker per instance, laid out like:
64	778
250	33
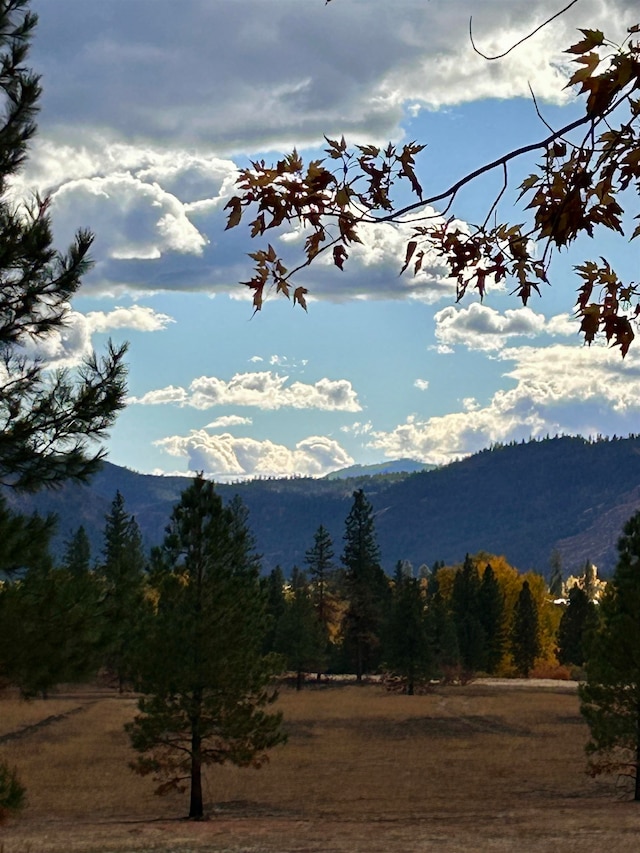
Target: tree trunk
196	811
636	795
359	657
299	677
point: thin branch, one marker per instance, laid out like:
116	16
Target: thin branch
522	40
496	201
488	167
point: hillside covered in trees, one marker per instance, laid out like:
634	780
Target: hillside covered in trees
521	500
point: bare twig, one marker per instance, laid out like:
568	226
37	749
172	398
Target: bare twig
522	40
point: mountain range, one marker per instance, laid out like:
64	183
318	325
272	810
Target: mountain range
519	500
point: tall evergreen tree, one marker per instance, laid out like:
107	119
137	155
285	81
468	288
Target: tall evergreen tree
443	637
50	419
24	540
77	553
525	632
492	615
319	560
322	571
206	682
465	607
407	649
300	636
611	695
577	622
123	603
366	586
50	633
273	590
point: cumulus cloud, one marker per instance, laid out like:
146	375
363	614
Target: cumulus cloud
142	220
372	270
228	457
264	390
558	389
299	69
421	384
228	421
69	344
480	327
141	318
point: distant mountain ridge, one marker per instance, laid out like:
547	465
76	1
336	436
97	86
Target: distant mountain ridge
394	466
521	500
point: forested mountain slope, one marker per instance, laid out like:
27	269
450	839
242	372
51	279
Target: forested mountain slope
518	500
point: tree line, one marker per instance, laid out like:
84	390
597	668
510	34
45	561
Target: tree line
201	635
445	624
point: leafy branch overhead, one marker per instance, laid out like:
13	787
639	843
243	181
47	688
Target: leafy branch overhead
587	174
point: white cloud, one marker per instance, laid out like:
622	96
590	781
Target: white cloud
162	396
139	220
256	76
228	421
69	344
264	390
421	384
559	389
227	457
480	327
372	270
141	318
358	428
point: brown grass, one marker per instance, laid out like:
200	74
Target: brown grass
495	767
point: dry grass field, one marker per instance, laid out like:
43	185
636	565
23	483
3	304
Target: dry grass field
485	767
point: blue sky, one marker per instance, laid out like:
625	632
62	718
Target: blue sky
151	106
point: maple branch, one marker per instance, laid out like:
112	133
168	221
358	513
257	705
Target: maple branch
488	167
522	40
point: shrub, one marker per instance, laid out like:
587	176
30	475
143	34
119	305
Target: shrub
12	792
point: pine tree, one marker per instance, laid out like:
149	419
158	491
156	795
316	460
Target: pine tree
77	553
611	695
206	682
577	623
319	559
322	570
50	629
525	632
365	584
123	603
273	590
300	636
24	540
465	608
408	651
50	419
491	609
443	637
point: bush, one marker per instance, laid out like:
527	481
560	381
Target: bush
12	792
549	670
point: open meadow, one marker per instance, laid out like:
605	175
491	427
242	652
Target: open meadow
488	766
